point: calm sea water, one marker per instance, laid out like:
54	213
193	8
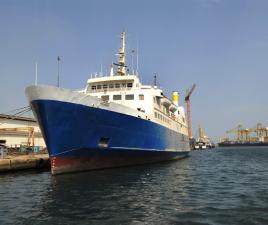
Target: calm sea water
222	186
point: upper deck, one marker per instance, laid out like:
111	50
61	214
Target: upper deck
126	89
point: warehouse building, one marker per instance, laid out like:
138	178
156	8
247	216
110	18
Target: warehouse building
17	131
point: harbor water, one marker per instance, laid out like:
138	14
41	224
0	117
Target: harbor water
220	186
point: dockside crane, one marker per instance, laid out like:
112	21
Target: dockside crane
237	132
243	134
188	105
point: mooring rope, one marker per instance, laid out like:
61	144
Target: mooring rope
22	111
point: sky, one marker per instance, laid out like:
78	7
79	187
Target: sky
221	45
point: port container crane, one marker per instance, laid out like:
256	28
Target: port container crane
243	134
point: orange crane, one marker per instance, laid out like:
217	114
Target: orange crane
188	105
29	130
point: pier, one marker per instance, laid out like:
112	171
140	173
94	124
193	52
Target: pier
22	162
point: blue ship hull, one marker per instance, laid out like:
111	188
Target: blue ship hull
80	137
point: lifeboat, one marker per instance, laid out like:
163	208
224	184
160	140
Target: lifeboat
173	108
165	102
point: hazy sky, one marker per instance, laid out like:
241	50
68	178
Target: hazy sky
221	45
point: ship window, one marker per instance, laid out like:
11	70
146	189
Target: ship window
93	87
129	85
105	86
129	97
111	85
117	97
98	86
124	85
155	114
105	97
117	85
141	97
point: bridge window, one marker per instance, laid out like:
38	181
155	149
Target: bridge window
111	85
98	86
141	97
117	85
129	97
117	97
129	85
105	86
93	87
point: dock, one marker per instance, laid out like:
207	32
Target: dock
23	162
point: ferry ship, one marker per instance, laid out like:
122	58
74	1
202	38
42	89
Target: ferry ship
115	121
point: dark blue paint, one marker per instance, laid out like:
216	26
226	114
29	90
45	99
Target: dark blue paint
69	127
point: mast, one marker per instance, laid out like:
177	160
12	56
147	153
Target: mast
122	56
36	73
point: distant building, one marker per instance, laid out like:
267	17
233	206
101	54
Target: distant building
16	131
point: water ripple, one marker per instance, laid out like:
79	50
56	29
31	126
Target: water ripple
223	186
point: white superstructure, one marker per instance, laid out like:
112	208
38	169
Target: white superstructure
149	101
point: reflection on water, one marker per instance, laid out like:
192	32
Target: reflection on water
211	187
113	195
